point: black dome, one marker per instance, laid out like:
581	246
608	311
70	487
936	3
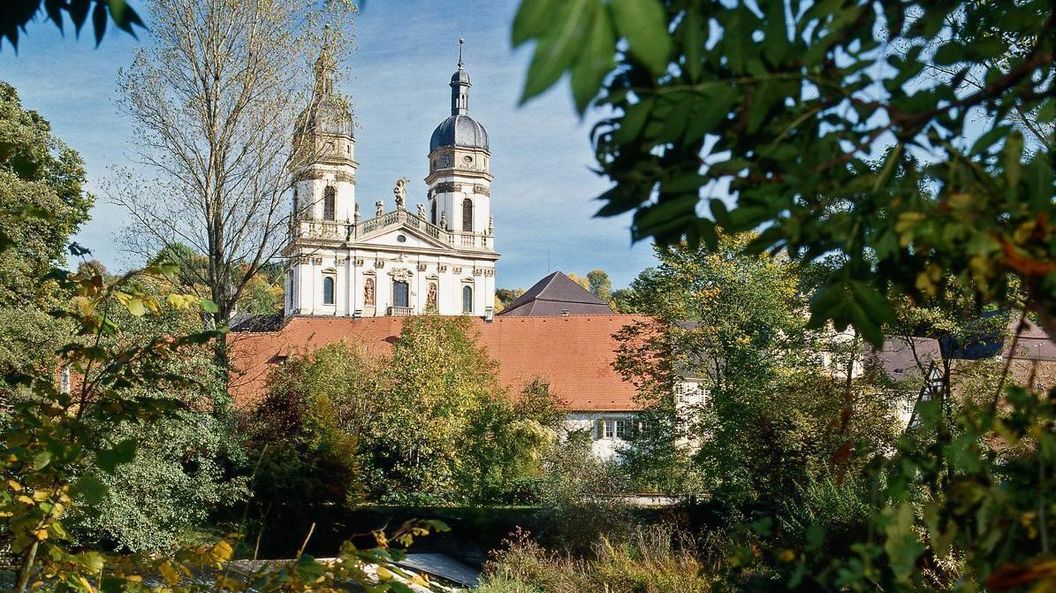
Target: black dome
459	130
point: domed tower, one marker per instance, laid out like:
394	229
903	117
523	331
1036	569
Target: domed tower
324	151
459	179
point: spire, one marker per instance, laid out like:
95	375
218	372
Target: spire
460	85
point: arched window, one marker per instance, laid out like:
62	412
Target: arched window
467	299
434	212
400	294
328	290
329	203
467	215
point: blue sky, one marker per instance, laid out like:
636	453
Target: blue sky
542	196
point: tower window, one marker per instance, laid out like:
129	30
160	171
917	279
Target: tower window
434	212
467	299
400	294
329	203
328	290
467	215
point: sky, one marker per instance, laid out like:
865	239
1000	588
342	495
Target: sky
543	192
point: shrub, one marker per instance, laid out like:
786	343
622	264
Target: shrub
650	560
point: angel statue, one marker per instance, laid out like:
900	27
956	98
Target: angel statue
400	192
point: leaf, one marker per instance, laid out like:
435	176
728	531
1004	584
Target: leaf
91	489
99	22
556	52
644	24
693	42
633	121
1012	155
109	459
136	307
308	570
595	61
41	460
902	545
209	306
533	19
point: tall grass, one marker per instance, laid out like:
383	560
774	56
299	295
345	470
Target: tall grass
653	559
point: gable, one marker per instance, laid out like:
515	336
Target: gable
412	238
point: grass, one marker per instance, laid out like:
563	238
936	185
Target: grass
651	560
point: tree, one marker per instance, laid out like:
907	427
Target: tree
215	100
600	284
38	173
188	465
429	424
18	13
770	416
822	135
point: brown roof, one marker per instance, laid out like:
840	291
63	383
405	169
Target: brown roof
557	294
575	354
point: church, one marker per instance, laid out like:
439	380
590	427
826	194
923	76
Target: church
356	276
437	257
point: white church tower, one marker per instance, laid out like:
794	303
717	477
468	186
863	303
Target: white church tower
433	257
459	179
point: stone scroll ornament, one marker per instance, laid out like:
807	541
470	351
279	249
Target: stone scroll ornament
368	292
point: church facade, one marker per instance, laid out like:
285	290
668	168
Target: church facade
438	256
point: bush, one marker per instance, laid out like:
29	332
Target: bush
650	560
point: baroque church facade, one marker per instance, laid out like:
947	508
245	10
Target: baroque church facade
437	256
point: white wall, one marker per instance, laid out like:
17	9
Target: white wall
351	268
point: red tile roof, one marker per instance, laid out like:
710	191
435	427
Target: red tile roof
575	354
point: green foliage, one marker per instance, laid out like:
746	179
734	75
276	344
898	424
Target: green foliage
771	416
428	425
600	284
19	13
886	132
162	495
40	174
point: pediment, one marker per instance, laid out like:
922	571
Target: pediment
390	236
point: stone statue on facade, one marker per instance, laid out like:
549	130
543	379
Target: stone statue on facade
443	220
430	299
421	211
379	208
491	225
400	192
355	214
368	292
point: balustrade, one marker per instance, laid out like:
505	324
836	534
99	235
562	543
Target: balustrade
327	229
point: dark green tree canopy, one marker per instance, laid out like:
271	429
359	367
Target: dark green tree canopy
888	132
